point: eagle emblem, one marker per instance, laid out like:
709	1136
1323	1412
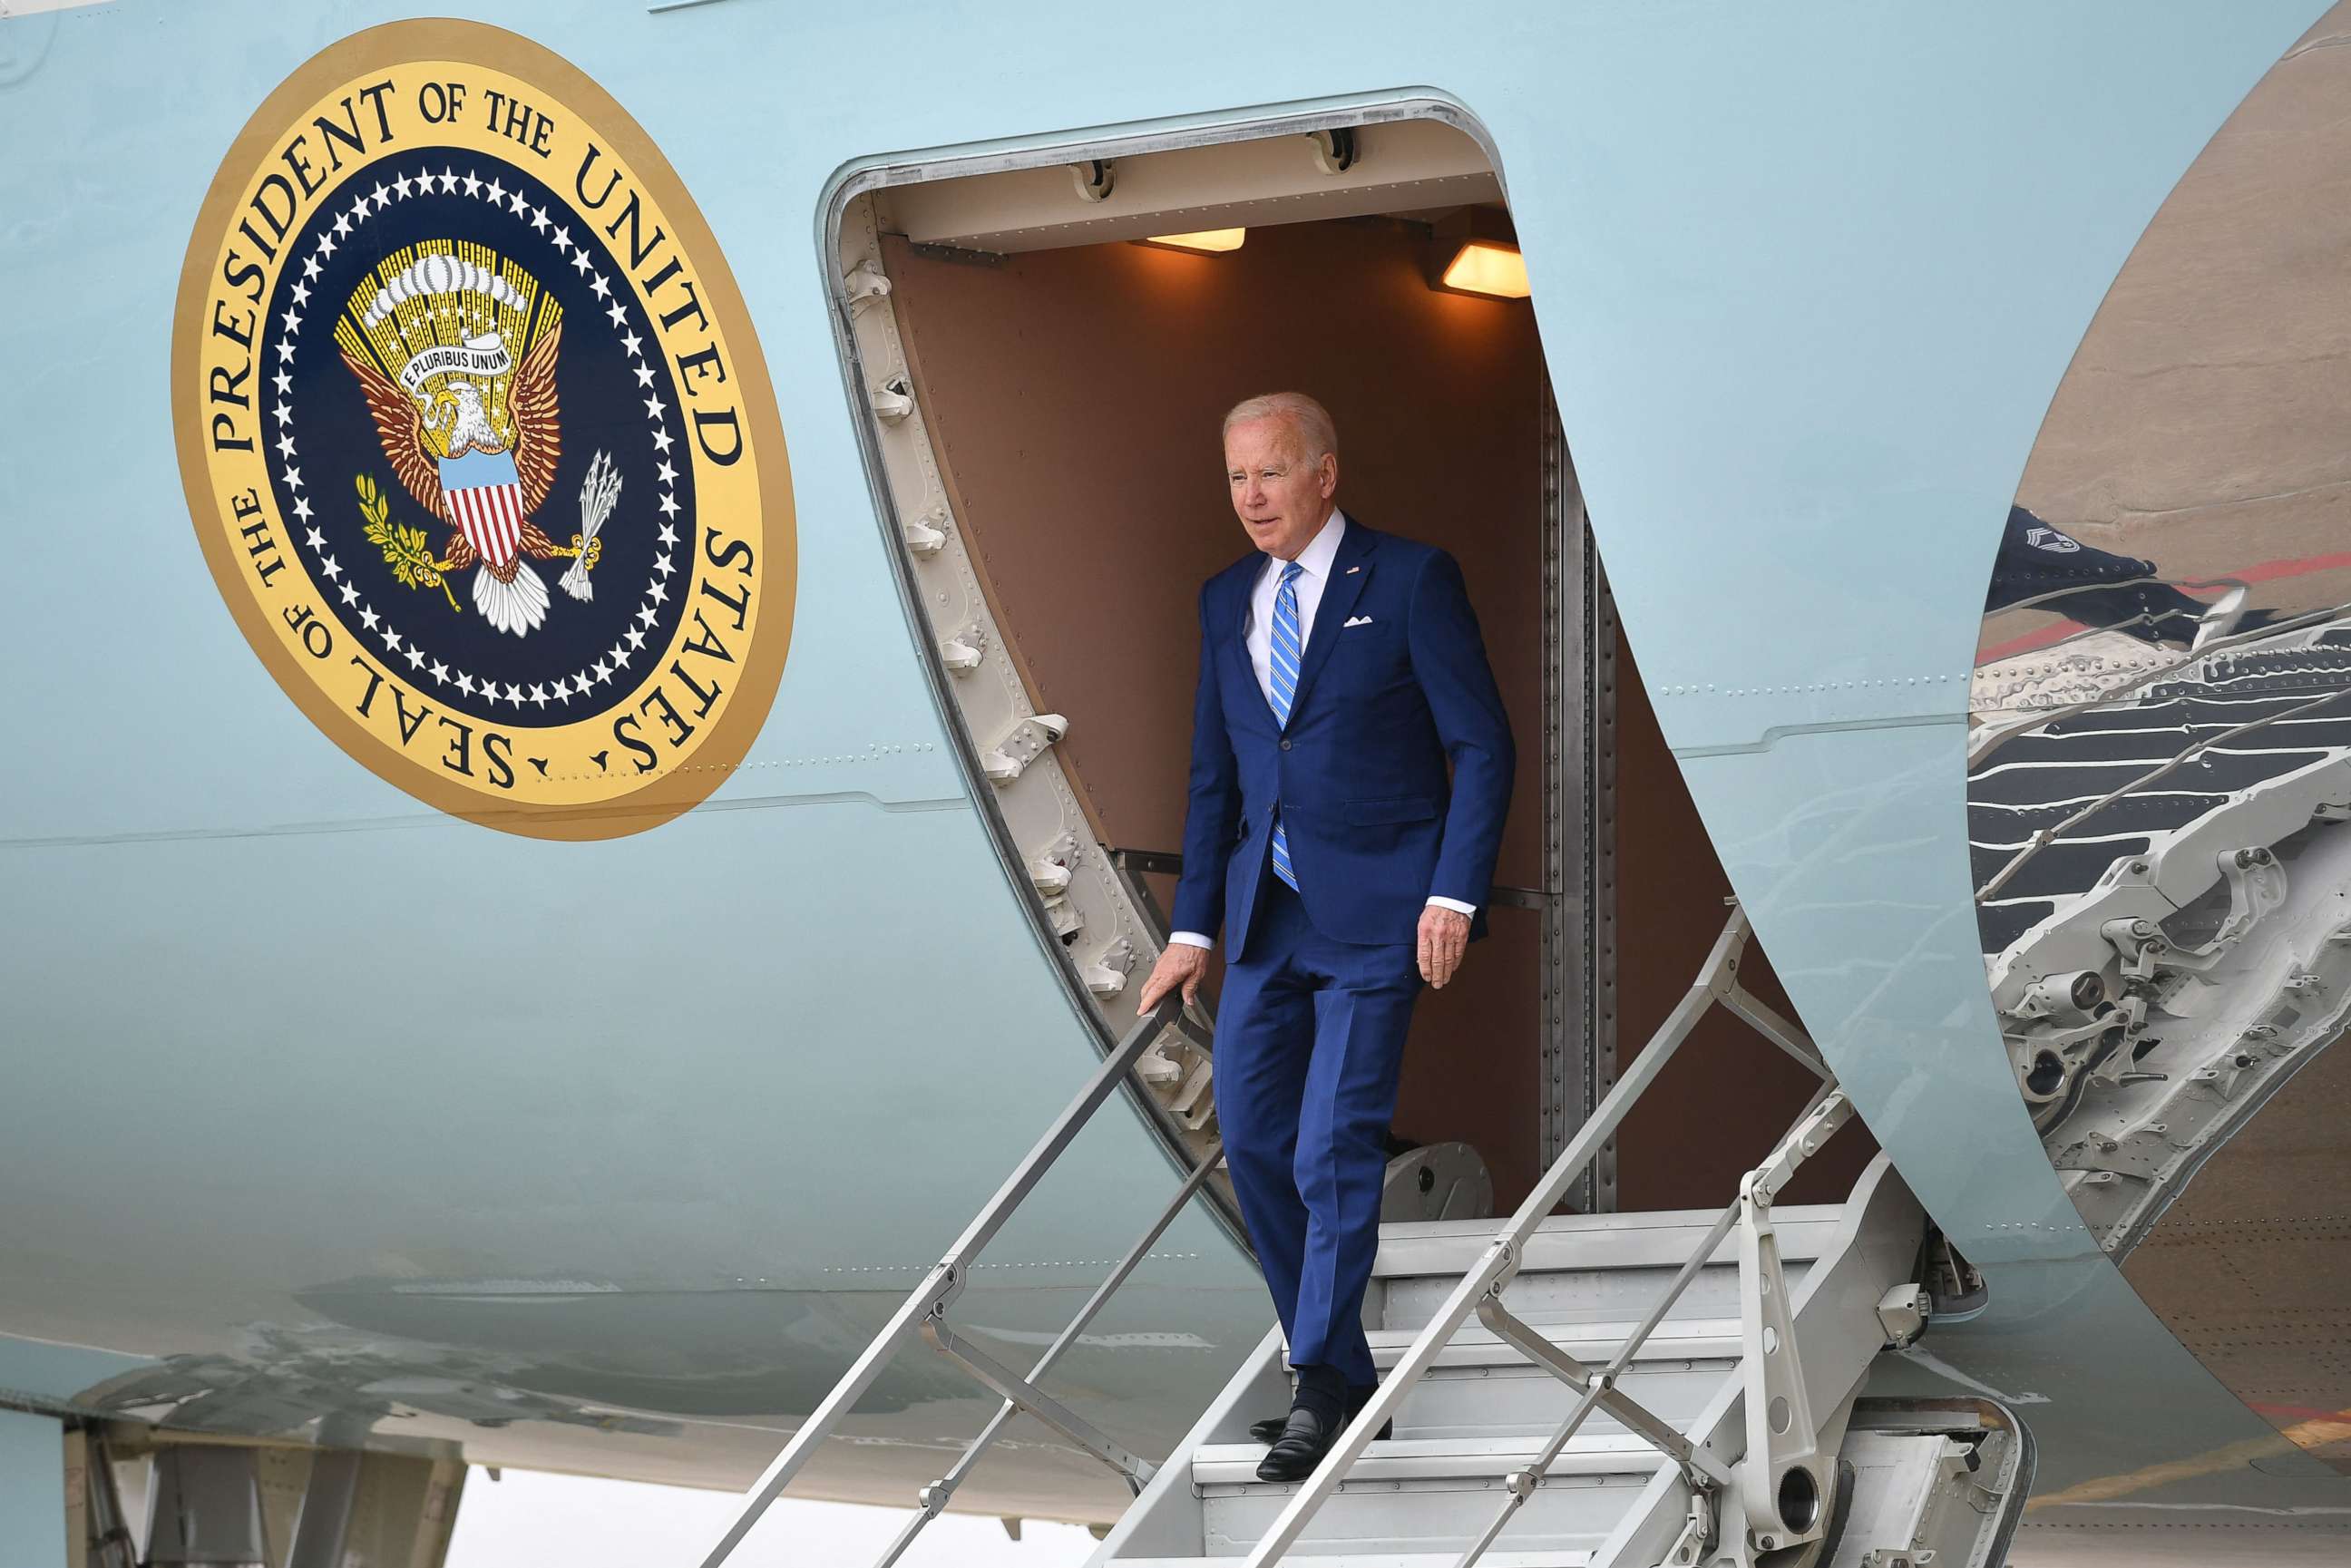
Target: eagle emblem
393	368
472	434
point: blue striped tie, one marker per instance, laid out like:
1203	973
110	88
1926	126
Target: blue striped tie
1288	647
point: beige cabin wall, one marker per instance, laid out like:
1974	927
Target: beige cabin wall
1073	397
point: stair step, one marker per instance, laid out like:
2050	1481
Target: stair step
1233	1466
1393	1560
1527	1404
1662	1239
1563	1296
1479	1385
1483	1410
1595	1343
1415	1497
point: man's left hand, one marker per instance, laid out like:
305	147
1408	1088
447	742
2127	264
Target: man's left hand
1444	938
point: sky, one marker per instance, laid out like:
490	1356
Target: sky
527	1517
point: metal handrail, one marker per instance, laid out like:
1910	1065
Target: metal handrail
1717	981
1700	1468
925	1311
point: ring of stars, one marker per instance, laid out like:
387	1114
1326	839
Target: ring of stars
329	572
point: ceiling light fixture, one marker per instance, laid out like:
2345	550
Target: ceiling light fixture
1489	267
1475	250
1207	242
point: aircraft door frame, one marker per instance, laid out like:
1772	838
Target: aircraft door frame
1576	901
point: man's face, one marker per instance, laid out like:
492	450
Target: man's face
1283	499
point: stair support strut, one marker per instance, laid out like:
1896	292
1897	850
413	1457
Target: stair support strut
946	1281
1599	1388
1782	1480
932	1501
1009	1384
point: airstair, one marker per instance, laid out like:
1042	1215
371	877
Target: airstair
1567	1391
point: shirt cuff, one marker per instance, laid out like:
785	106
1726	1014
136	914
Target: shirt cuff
1190	939
1454	905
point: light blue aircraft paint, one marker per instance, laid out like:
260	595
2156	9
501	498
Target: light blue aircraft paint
642	1135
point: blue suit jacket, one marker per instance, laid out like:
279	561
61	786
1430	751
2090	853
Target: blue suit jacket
1359	772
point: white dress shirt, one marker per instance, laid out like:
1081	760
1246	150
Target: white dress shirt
1316	558
1315	561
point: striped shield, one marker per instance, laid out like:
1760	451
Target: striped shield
484	498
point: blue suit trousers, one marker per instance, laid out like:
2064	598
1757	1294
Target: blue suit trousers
1310	1043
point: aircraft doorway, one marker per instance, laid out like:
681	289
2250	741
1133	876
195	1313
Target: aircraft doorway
1045	377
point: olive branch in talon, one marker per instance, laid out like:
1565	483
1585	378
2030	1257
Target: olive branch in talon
405	548
598	494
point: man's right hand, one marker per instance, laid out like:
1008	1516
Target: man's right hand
1180	965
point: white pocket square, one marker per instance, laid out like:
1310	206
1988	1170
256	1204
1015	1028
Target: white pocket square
1358	620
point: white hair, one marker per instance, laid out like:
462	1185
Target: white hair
1318	437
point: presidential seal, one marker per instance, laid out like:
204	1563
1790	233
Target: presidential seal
477	440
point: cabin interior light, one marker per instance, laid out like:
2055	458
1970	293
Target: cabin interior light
1489	267
1475	250
1208	241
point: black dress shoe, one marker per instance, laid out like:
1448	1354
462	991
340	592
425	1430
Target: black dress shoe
1305	1437
1269	1430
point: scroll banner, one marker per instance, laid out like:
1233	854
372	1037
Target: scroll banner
483	356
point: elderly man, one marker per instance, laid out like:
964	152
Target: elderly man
1340	670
